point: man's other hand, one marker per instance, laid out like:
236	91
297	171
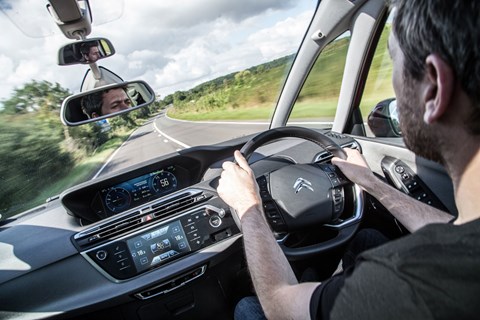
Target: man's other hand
355	168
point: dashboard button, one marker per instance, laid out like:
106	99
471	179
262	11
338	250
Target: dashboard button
222	213
101	255
215	221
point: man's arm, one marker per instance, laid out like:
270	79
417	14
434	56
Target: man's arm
411	213
278	290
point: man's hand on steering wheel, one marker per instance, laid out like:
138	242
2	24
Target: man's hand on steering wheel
355	168
237	185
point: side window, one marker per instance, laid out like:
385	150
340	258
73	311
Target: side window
317	102
378	87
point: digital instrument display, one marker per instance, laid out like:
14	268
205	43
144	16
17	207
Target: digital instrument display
158	246
139	190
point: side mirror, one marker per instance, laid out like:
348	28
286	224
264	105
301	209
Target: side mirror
106	102
85	51
383	120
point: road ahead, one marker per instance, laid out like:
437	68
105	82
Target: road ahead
163	135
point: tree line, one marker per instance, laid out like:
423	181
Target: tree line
37	150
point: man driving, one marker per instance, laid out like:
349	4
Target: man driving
432	273
105	102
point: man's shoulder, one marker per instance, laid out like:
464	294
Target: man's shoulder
429	273
434	235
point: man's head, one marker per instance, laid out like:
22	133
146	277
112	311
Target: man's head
105	102
435	47
90	52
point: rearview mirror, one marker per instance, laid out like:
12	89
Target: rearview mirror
383	121
105	102
85	51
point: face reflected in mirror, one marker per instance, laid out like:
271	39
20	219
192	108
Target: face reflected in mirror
90	52
106	102
85	51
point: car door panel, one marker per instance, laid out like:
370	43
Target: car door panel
431	175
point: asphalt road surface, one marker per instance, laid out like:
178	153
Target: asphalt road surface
163	135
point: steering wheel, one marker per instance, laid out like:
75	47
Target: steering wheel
298	196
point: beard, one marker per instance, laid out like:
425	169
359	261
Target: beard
418	136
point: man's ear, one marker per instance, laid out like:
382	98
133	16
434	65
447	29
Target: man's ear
440	81
95	115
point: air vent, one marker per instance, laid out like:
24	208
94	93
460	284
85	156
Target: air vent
130	222
323	156
326	155
335	135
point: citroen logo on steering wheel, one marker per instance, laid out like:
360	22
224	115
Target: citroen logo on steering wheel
302	183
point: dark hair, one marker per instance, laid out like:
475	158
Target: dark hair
85	47
448	28
93	103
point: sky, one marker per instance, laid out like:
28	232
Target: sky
171	44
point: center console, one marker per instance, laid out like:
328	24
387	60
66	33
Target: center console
152	238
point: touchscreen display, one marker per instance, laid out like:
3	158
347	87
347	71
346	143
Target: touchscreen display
158	245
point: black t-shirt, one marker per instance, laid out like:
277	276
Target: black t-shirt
433	273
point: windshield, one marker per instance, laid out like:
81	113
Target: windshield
216	68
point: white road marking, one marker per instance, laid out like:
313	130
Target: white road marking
168	137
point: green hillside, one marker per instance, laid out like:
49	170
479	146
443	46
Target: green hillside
233	96
251	94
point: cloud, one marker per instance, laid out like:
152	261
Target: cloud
171	46
276	42
169	14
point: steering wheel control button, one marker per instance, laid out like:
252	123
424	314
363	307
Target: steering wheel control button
215	221
263	186
101	255
273	216
334	174
338	199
